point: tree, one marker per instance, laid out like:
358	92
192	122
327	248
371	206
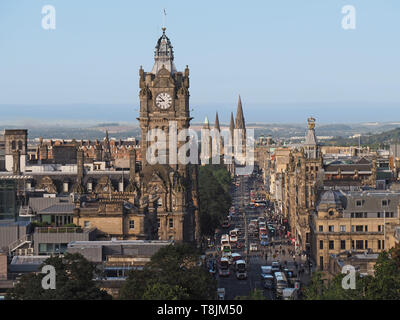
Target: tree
214	196
383	285
74	281
172	274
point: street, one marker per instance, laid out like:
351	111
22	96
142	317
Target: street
278	248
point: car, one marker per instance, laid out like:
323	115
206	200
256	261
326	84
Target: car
276	266
253	246
269	282
265	271
221	293
236	256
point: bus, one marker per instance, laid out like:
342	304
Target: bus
240	268
224	239
224	267
233	235
280	283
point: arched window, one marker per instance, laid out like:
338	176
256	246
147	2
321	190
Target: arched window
13	145
19	145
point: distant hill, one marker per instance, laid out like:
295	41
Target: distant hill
378	140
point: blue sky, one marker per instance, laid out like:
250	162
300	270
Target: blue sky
287	59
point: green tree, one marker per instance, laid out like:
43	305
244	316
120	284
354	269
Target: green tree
173	273
383	285
74	281
214	196
163	291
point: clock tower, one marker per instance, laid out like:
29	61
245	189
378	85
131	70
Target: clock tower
170	189
164	95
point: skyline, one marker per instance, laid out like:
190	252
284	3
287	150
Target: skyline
286	59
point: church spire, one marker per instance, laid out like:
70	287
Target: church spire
206	123
232	124
216	125
239	121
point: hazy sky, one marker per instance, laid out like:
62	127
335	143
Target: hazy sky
286	58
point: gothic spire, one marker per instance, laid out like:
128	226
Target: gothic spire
239	121
232	124
206	123
216	125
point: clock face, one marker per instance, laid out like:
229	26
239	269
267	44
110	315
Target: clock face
163	101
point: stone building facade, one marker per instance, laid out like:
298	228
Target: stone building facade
353	222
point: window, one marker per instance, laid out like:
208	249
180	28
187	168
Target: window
342	228
359	203
379	244
13	145
331	229
343	244
171	223
321	262
331	245
321	228
359	244
352	215
385	203
352	244
20	145
366	244
131	224
86	224
321	244
359	228
331	213
378	214
359	214
366	228
352	228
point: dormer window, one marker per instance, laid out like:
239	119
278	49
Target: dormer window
359	203
331	213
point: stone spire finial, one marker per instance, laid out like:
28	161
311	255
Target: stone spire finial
216	125
239	122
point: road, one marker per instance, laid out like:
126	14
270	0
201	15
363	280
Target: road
255	259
